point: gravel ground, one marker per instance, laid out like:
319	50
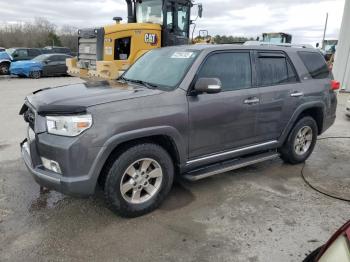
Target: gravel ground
261	213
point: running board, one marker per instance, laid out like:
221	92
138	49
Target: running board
229	166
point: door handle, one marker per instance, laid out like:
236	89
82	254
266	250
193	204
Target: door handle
296	94
252	100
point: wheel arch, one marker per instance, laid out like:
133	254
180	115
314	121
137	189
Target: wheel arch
316	110
166	137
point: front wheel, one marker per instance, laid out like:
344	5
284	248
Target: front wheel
4	69
139	180
300	142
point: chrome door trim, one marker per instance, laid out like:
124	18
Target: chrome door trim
231	152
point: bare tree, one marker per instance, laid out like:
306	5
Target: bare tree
38	33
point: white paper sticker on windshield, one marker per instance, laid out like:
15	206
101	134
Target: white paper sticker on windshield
185	55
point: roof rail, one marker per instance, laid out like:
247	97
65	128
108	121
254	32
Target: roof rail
278	44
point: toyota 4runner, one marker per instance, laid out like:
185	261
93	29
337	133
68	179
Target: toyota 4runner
190	111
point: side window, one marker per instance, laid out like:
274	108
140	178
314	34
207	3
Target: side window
170	19
315	64
274	69
22	53
61	58
33	52
233	70
182	19
122	48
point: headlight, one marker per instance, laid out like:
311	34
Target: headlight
68	125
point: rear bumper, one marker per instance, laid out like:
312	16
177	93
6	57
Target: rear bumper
327	123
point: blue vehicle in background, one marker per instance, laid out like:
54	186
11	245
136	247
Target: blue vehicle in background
42	65
5	62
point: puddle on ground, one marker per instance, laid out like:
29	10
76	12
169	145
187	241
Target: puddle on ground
47	199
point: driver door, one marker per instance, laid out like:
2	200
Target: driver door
226	120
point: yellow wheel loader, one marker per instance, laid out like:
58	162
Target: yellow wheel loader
108	51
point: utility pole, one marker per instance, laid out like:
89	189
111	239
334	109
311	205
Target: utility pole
324	32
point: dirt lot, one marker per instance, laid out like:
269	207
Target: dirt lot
262	213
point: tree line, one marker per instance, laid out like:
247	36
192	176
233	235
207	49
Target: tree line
38	34
41	33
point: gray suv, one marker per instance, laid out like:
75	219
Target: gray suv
189	111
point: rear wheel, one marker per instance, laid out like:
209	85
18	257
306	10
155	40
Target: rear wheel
300	142
36	74
139	180
4	69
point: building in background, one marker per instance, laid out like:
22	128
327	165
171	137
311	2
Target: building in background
341	69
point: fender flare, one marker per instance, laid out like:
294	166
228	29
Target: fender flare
116	140
295	116
5	61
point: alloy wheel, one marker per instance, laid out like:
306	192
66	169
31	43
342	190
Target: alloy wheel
303	140
141	181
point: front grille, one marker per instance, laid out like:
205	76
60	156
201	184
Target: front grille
29	117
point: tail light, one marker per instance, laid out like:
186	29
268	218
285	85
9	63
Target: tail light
335	85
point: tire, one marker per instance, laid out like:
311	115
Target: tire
36	74
4	69
293	151
126	173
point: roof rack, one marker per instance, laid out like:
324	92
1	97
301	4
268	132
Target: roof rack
278	44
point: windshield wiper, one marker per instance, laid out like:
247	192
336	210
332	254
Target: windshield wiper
146	84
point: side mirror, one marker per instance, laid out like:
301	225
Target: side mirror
200	10
208	85
15	55
317	45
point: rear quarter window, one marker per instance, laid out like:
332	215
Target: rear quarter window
315	64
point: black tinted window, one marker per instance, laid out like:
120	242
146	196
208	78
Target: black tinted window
61	58
233	70
315	64
275	69
33	52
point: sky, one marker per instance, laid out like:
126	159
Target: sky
304	19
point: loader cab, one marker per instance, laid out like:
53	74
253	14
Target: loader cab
172	15
277	38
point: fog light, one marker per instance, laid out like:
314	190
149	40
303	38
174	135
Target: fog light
51	165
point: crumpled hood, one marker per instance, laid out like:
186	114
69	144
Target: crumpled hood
87	94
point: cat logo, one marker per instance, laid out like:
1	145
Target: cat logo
151	39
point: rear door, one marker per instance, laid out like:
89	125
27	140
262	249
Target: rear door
280	93
226	120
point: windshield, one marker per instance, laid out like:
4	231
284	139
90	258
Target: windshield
40	58
163	68
273	38
149	11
